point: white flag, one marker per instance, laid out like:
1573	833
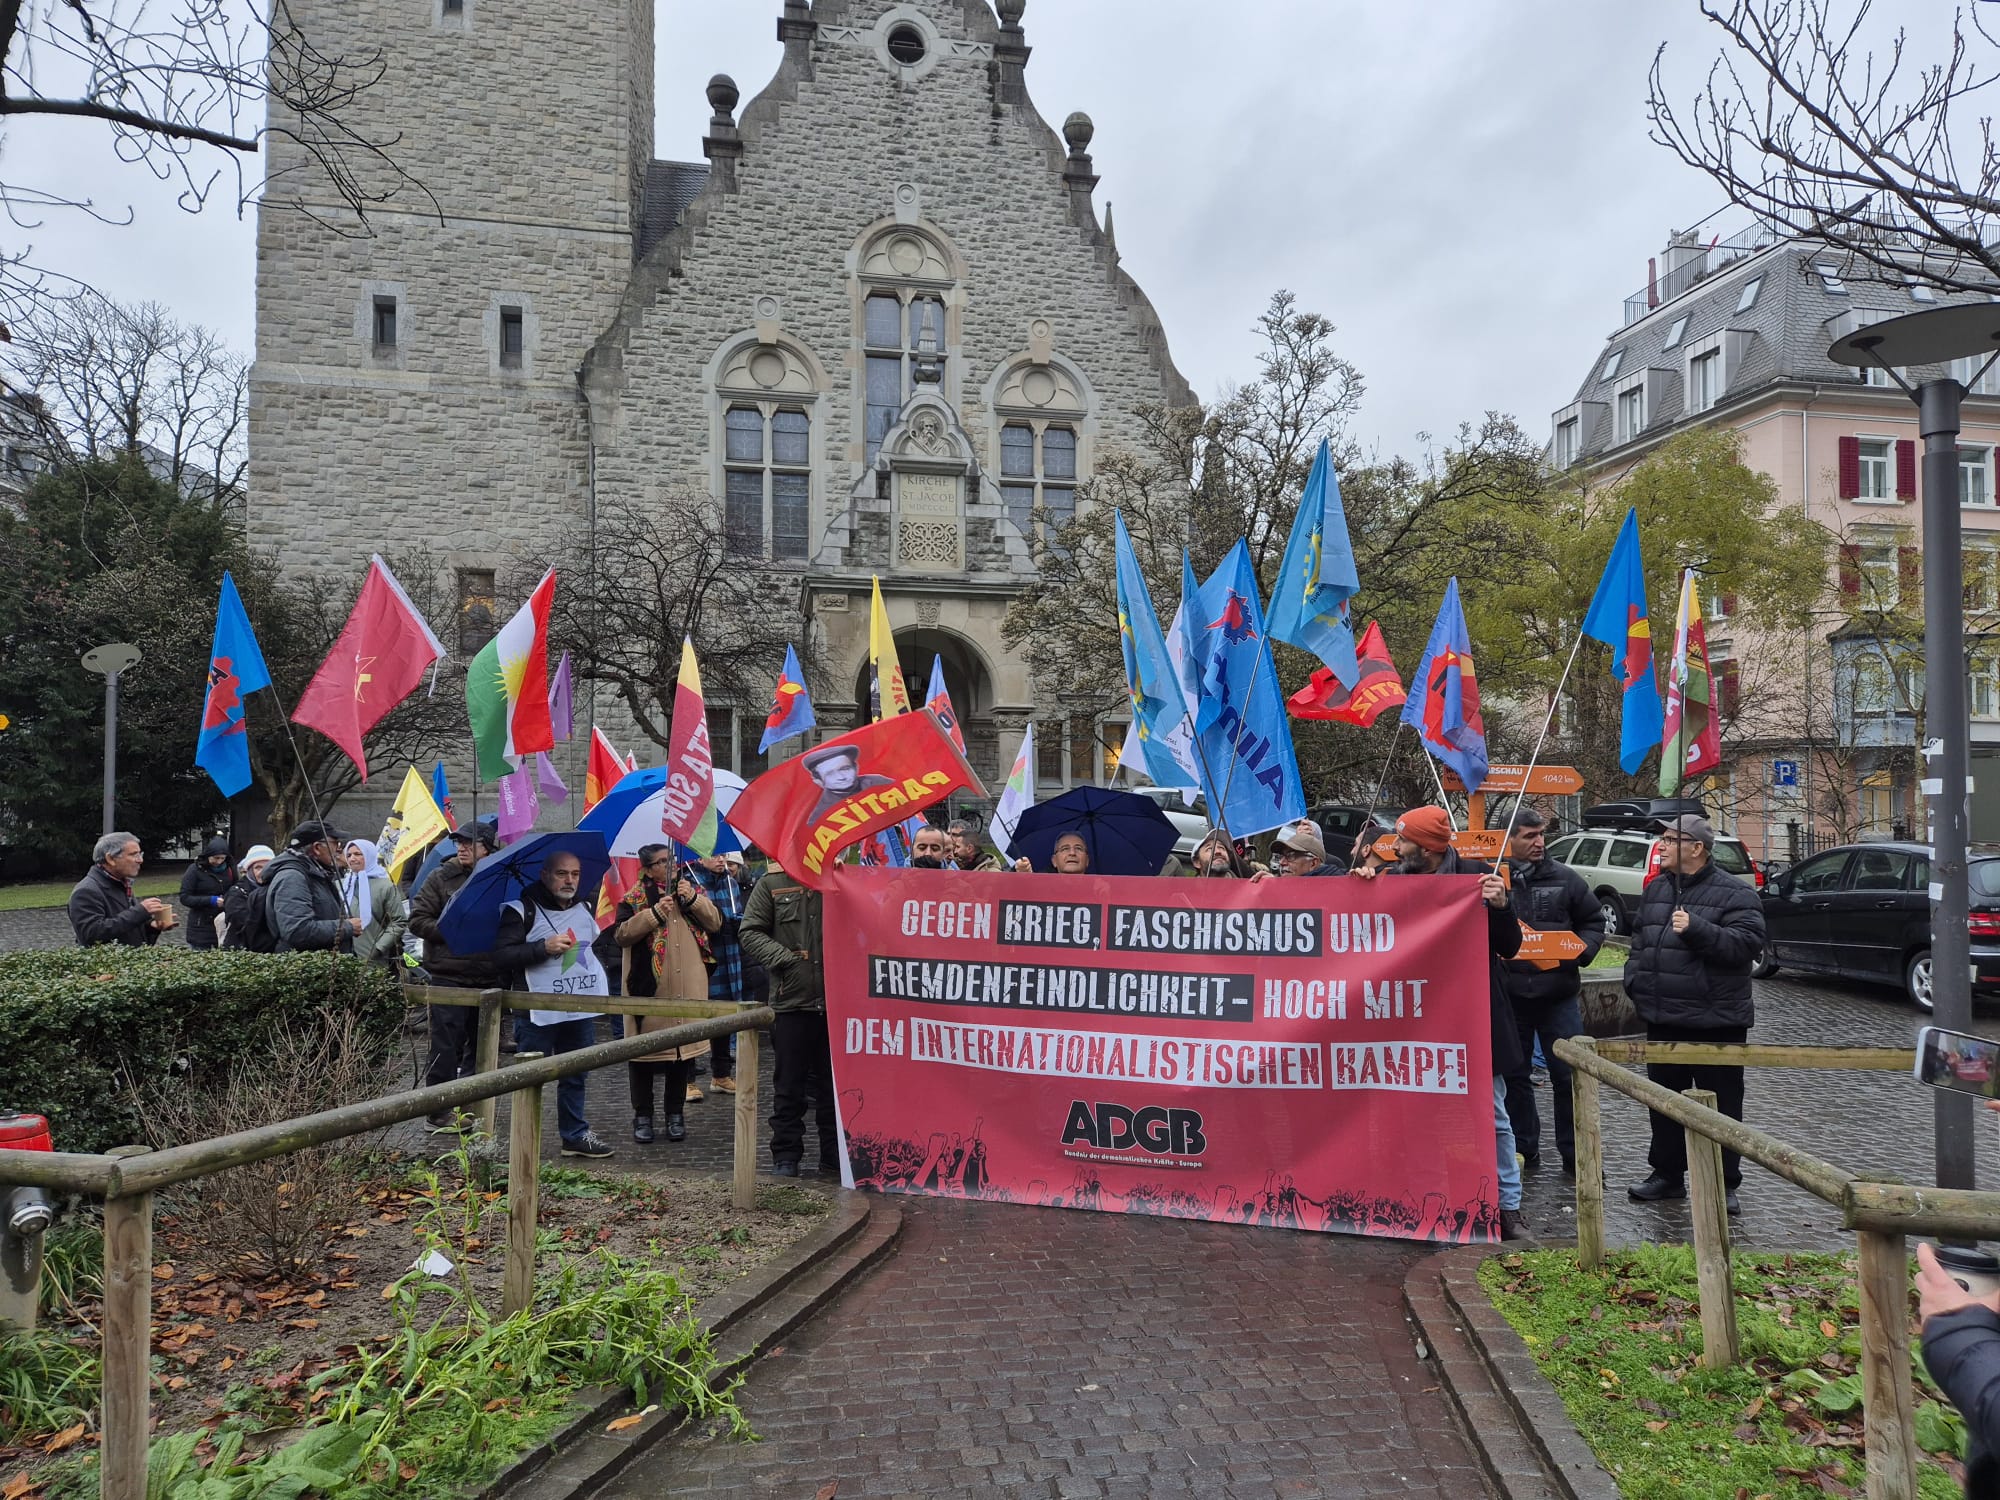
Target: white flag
1018	797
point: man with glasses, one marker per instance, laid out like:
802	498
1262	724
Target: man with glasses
1300	849
1698	931
102	908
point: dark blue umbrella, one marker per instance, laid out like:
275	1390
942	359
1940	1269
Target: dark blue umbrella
1126	834
470	921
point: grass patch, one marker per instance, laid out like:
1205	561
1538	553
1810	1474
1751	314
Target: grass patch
1620	1347
40	895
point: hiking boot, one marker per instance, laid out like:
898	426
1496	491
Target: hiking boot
642	1129
1514	1227
676	1128
693	1095
589	1144
1657	1189
784	1169
725	1085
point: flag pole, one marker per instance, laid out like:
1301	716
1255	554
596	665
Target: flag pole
1444	801
1388	760
312	792
1236	739
1548	722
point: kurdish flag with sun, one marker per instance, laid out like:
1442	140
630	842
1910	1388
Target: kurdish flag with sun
507	688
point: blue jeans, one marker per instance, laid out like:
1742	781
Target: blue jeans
551	1041
1503	1145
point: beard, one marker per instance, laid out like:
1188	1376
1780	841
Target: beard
1416	862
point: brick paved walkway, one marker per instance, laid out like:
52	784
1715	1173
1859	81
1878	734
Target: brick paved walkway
1006	1351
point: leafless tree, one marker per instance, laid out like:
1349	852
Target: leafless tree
192	92
1824	123
111	378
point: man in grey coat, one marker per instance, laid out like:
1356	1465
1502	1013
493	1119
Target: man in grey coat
303	904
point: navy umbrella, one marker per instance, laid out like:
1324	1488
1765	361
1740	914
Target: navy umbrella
470	921
1126	834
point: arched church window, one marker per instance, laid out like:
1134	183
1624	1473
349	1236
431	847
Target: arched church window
1038	471
767	481
898	329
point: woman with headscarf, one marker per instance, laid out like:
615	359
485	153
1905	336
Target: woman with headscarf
368	893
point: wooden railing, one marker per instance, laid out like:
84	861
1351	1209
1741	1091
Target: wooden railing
127	1179
1882	1215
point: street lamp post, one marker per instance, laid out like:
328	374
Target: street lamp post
111	662
1939	336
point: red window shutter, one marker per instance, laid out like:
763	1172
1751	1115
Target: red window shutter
1728	606
1850	567
1728	687
1850	468
1906	469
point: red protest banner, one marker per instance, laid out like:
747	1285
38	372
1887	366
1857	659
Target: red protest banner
804	812
1309	1054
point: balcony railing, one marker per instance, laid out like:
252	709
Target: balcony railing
1695	264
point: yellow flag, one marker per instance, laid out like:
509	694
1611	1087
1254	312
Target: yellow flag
891	697
415	823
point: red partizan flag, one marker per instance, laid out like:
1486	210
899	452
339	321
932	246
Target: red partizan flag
804	812
378	661
1377	688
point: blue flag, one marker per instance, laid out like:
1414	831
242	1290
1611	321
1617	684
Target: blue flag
1443	705
235	670
1159	710
791	705
1317	577
1618	618
441	792
1245	737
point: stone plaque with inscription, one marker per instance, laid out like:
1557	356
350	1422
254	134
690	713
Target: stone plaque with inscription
929	532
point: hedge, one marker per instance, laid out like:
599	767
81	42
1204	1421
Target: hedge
77	1024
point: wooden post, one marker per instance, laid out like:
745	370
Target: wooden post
746	1117
128	1345
524	1189
1589	1164
486	1055
1720	1347
1888	1403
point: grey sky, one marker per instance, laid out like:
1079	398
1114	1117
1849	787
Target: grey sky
1465	188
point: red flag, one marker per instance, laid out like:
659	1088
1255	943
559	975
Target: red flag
1376	689
604	770
377	663
804	812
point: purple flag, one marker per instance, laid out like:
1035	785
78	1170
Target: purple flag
547	782
518	806
562	714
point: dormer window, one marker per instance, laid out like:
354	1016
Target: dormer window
1568	439
1748	297
1829	277
1674	333
1611	364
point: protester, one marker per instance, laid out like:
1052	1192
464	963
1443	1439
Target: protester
1071	855
1300	849
302	904
1216	858
966	853
454	1029
927	849
1549	897
1366	854
203	887
367	892
782	930
544	947
1423	847
1698	931
1961	1347
664	924
241	927
723	880
102	908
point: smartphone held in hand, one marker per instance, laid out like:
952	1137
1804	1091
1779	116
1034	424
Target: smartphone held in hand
1958	1061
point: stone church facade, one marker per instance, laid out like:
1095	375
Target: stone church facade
880	325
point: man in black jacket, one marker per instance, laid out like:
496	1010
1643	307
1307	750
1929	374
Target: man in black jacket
102	908
1698	932
203	887
1549	897
454	1028
1423	847
302	900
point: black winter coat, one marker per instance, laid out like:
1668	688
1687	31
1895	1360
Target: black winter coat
102	909
245	916
1699	978
302	901
475	971
202	892
1551	897
1503	936
1962	1352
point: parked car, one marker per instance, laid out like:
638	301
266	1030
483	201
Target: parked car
1340	823
1614	862
1191	823
1863	911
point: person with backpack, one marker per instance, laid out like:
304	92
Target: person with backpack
303	906
241	927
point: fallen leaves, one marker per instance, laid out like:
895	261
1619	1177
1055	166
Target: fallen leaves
17	1487
625	1424
68	1437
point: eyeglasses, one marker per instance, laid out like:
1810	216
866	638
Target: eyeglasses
656	864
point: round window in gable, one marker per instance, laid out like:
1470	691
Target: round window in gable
907	45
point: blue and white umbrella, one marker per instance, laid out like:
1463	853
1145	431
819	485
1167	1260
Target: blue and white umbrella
629	815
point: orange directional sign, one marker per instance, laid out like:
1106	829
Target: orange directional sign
1544	781
1384	848
1480	843
1547	950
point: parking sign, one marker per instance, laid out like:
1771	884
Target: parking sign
1784	773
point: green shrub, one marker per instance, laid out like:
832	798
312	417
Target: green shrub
81	1022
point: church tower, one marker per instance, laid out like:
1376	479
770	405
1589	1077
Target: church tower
416	375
